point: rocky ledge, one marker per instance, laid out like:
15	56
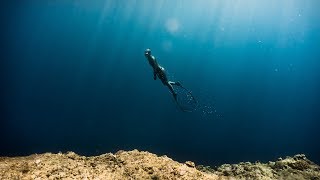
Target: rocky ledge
144	165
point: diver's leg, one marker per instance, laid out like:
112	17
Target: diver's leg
171	90
163	77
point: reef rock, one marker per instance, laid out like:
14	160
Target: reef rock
293	168
144	165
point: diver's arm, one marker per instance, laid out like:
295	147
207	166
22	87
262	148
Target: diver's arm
154	75
154	67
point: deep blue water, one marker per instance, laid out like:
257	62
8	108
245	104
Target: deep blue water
74	78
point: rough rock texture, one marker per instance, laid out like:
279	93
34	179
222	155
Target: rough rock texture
144	165
293	168
122	165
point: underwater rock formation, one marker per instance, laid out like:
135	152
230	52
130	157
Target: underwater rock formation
144	165
297	168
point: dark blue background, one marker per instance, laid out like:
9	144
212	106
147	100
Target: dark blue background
74	78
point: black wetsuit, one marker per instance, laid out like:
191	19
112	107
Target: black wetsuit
158	70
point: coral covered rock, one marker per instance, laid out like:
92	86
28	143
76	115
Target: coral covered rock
144	165
297	167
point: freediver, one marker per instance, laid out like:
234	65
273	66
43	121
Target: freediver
160	72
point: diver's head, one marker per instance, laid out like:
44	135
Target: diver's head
147	52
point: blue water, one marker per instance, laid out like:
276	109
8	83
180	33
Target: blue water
75	78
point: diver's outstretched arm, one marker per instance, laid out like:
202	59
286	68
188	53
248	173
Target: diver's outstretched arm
154	75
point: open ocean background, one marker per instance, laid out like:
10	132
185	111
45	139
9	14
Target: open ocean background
74	78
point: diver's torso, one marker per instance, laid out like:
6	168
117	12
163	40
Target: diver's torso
153	62
159	69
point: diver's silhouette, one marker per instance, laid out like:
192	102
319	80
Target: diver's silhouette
160	72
